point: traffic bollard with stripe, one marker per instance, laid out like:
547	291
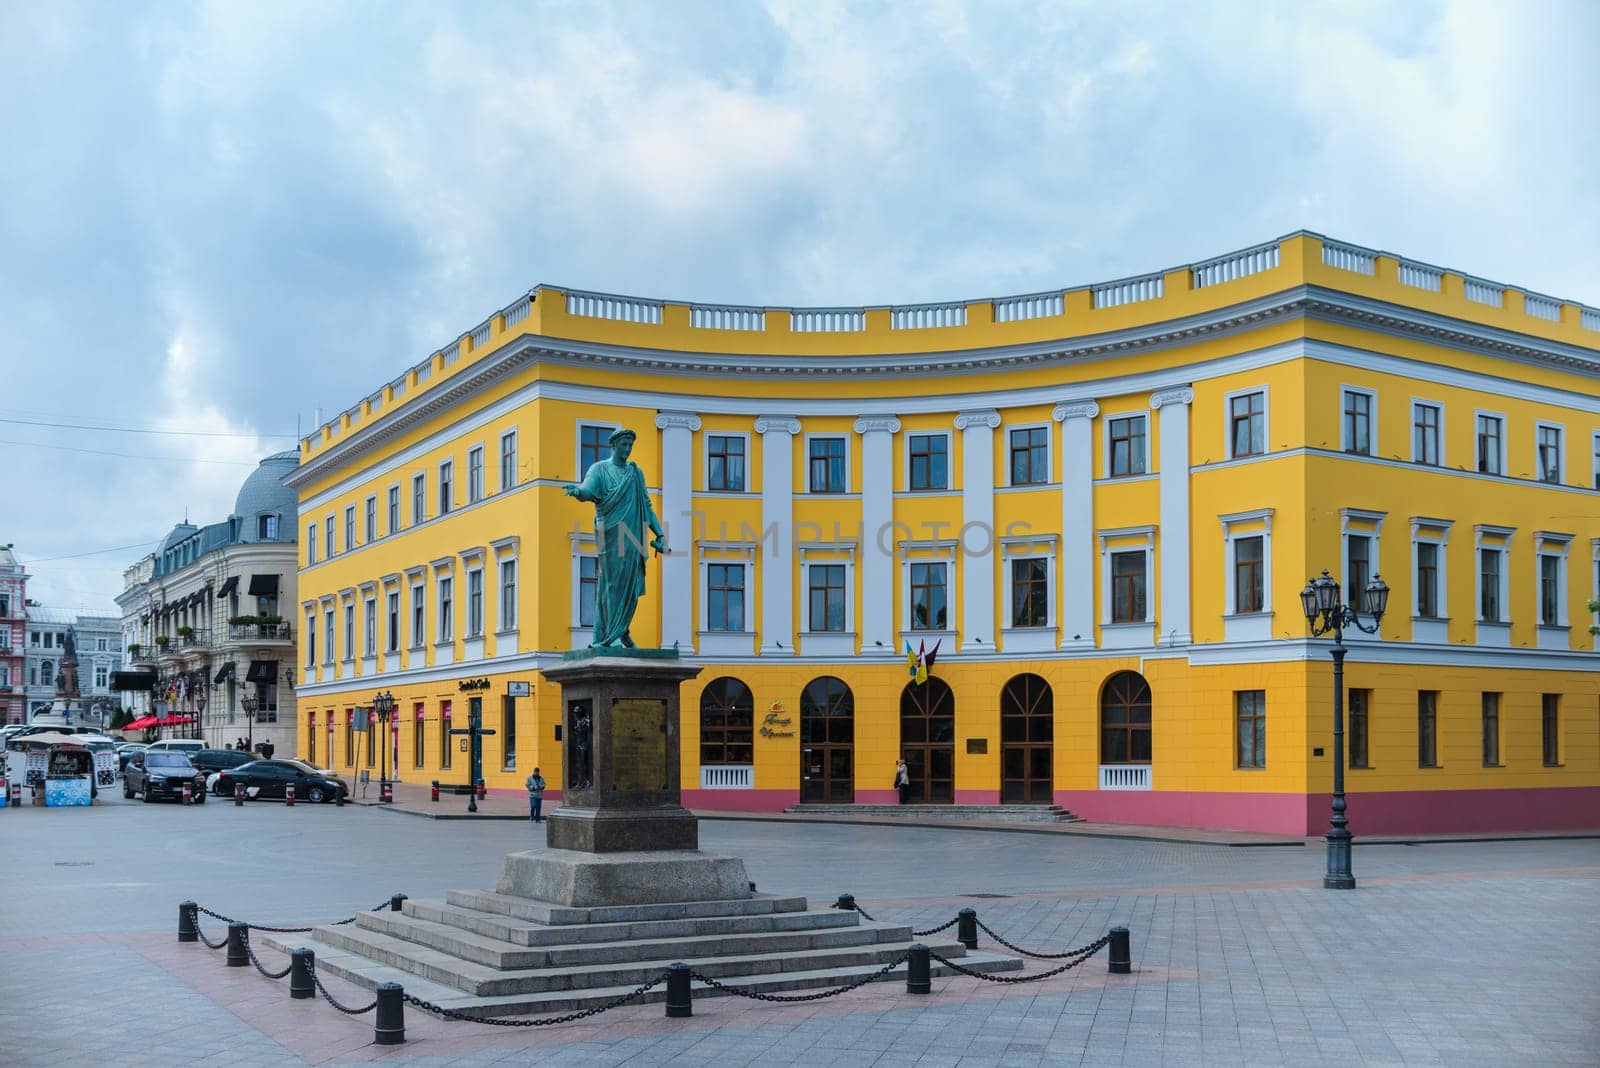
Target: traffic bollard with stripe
967	928
288	794
1121	963
238	793
188	930
188	794
238	956
389	1027
680	1002
919	971
301	963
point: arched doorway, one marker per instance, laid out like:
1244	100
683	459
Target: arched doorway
1027	728
928	741
1125	720
827	742
727	724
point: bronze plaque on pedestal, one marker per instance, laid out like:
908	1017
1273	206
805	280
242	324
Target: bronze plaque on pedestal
639	744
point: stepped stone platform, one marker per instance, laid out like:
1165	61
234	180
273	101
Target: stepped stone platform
496	954
1008	813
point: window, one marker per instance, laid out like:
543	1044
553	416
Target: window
1358	422
349	737
1250	718
508	460
475	474
394	621
5	607
446	622
1597	461
370	622
1491	445
475	603
929	596
1127	445
1249	591
827	597
1359	702
1491	730
311	639
419	626
101	645
1427	580
267	527
372	732
5	674
330	545
1427	728
444	735
311	543
394	509
327	636
1030	591
1358	568
1247	424
1030	455
1128	587
827	465
47	673
349	527
1549	453
419	499
930	461
1549	590
588	583
725	463
725	597
1425	433
592	446
102	676
446	471
372	520
727	723
1489	568
508	595
1551	724
508	733
349	631
418	718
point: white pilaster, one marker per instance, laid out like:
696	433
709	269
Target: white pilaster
777	523
1077	521
877	516
977	529
1174	625
677	567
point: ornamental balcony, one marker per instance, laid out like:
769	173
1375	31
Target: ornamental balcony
1125	776
727	776
260	633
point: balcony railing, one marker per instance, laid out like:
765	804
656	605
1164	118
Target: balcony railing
727	776
1124	776
259	632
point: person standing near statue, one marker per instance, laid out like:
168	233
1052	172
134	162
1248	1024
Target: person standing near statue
622	512
535	785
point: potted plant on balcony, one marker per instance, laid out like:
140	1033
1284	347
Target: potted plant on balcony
240	621
162	640
133	650
186	632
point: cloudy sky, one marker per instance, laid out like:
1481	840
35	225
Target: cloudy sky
217	217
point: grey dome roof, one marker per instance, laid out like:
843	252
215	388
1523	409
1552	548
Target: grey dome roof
264	493
179	532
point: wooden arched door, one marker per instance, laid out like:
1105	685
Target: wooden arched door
827	742
1027	729
928	742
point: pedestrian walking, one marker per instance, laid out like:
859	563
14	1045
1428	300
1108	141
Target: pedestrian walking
535	785
902	779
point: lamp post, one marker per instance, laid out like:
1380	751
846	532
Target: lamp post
383	705
1325	611
250	703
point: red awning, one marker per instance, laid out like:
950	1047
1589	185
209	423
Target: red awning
173	721
140	724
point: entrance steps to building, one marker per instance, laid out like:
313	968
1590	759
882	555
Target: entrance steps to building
1018	813
499	955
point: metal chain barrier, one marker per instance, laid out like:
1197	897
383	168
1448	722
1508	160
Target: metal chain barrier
250	951
936	930
317	979
208	943
379	907
1029	953
542	1021
864	914
1084	954
831	992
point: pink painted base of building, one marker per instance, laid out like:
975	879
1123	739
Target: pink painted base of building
1384	812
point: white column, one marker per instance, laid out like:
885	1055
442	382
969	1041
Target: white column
877	515
777	527
1174	625
977	529
677	567
1077	522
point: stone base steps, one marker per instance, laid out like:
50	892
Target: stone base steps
543	912
526	933
1017	813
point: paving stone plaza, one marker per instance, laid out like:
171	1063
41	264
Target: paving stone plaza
1449	953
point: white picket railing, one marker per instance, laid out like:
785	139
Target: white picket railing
1542	307
726	317
518	312
1235	266
450	352
1129	290
1028	306
1589	319
397	388
622	309
1482	292
827	320
480	336
1349	257
727	776
1124	776
927	316
1420	276
375	402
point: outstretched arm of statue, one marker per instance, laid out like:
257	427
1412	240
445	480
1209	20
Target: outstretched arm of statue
589	489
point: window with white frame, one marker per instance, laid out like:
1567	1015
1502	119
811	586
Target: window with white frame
1491	443
267	528
1129	572
372	519
327	636
1427	433
1552	577
725	463
1248	543
475	474
725	596
1355	434
394	510
1247	423
419	499
928	461
1429	575
828	463
475	602
1028	582
446	477
508	460
349	527
419	616
1597	461
393	604
102	676
587	565
593	445
1358	570
1491	580
311	638
826	598
311	543
1549	452
930	595
1127	446
369	620
508	595
1028	455
349	630
446	594
330	543
1427	579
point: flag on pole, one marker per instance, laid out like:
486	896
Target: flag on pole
911	660
922	663
932	655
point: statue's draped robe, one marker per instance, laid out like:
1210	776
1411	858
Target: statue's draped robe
623	520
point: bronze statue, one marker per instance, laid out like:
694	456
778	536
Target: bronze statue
67	677
621	514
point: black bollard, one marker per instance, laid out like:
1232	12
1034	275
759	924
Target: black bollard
238	793
389	1027
967	928
919	977
397	903
1121	962
237	956
338	798
188	930
301	962
846	901
680	1002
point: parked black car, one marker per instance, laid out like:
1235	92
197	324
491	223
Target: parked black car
162	773
267	779
209	760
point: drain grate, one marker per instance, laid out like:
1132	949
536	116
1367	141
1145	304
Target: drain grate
985	895
74	863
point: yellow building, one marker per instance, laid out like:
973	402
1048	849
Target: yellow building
1100	504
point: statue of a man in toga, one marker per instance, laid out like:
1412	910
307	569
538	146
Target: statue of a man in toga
622	511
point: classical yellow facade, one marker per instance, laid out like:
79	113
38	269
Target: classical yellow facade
1099	505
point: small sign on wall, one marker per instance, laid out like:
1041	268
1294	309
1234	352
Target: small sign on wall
516	689
977	745
462	742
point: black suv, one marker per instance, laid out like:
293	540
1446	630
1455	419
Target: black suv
162	773
209	760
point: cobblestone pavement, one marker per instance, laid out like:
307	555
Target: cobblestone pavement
1455	954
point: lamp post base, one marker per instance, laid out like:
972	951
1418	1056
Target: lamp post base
1338	876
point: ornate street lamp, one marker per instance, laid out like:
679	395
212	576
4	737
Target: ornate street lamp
249	702
383	705
1326	612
